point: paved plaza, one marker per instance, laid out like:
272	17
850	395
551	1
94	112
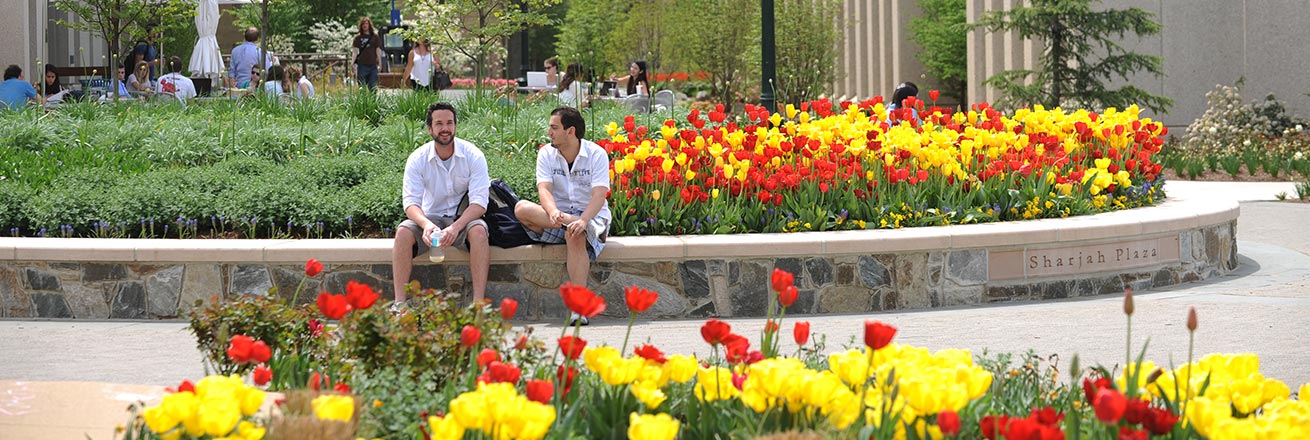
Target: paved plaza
1263	307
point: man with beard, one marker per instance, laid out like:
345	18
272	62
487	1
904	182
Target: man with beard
572	181
445	190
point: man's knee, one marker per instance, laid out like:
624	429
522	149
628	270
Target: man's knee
405	236
477	233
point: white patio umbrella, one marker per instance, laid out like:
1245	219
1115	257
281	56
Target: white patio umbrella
206	59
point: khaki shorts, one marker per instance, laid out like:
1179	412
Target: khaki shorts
461	241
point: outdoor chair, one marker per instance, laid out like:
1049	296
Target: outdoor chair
664	99
637	103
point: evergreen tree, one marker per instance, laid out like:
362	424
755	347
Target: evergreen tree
1082	55
941	34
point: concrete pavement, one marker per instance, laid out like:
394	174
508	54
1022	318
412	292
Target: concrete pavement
1263	307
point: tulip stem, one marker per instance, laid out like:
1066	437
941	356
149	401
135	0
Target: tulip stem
864	386
296	296
632	318
1128	349
1191	339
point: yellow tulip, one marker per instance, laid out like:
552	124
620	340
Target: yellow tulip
333	407
690	175
649	394
714	193
219	416
652	427
445	428
158	419
655	194
250	431
667	165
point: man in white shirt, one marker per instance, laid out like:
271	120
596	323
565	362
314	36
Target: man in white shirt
174	83
439	177
572	182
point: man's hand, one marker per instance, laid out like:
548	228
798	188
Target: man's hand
559	219
448	236
428	229
577	228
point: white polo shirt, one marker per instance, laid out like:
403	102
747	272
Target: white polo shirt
572	186
438	185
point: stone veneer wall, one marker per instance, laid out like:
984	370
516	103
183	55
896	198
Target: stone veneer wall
721	287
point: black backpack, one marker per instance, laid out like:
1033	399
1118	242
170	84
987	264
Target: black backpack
503	228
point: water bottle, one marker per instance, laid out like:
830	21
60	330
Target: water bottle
436	254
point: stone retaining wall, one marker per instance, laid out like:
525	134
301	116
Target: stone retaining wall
689	287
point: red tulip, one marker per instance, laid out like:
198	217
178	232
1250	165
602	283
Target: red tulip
487	356
1160	421
572	347
787	296
1090	387
315	328
650	353
239	348
770	326
508	307
186	387
738	380
360	296
949	423
994	427
714	331
1137	411
333	306
313	267
1046	416
1109	405
1032	429
262	375
781	279
469	336
259	352
877	335
566	378
1126	433
342	388
640	300
737	348
540	391
581	300
498	372
934	94
521	343
315	381
801	332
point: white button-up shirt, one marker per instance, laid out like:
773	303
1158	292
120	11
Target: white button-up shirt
572	186
438	187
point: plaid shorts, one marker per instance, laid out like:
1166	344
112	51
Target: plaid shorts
594	243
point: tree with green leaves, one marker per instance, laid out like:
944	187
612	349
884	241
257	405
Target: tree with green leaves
942	35
807	40
1083	55
476	29
119	21
585	34
722	38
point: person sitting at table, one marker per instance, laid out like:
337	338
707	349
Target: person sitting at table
297	81
570	88
273	83
635	82
14	91
139	81
174	83
551	66
123	92
51	85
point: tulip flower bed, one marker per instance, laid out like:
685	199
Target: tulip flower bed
492	384
826	166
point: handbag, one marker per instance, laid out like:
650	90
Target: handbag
503	228
441	79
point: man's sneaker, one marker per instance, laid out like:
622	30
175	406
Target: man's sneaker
575	319
399	308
